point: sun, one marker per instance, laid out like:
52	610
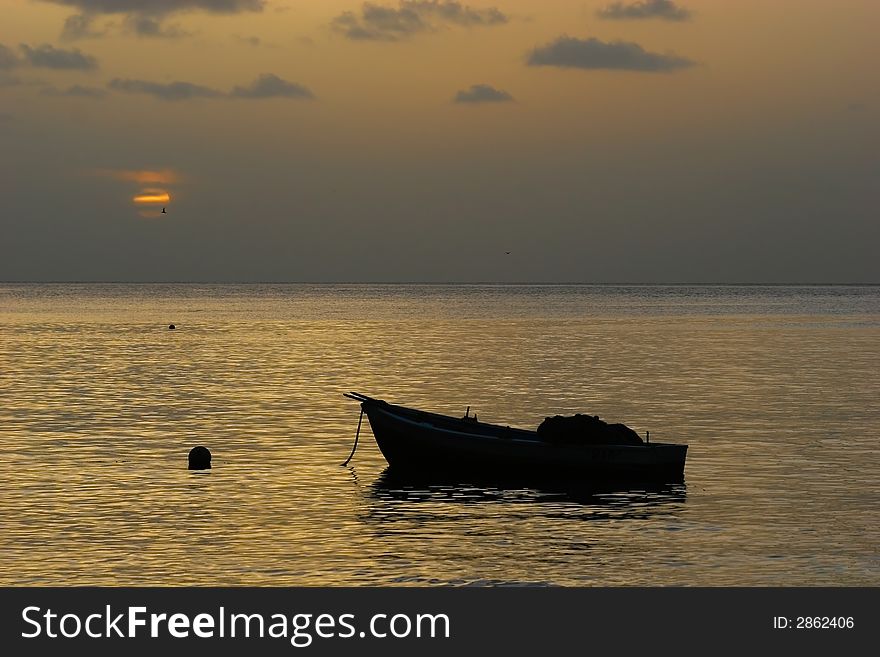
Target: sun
151	197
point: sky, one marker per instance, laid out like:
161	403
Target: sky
640	141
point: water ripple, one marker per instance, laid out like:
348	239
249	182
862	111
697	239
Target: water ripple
774	389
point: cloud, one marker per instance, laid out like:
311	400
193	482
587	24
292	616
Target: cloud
75	91
79	26
569	52
147	26
482	93
377	22
144	17
169	91
265	86
161	7
664	9
271	86
47	56
8	58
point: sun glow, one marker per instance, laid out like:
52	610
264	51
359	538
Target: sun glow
152	196
142	176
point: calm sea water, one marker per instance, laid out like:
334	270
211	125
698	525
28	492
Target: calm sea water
775	389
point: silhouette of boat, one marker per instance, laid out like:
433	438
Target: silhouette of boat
418	441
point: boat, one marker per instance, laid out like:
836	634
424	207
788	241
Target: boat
422	442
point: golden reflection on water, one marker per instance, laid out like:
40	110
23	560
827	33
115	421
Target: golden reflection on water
775	393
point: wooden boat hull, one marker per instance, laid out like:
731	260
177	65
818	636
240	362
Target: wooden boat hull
417	441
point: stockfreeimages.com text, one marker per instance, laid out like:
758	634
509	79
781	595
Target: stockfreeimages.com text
301	629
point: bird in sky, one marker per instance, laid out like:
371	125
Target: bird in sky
163	211
507	252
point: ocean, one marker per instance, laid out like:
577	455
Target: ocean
774	388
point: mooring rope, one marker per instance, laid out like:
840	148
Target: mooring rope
357	433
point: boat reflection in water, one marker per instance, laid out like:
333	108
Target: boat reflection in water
625	499
490	532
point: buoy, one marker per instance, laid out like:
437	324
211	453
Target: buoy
171	327
199	458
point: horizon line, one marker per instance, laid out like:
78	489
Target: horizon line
438	283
